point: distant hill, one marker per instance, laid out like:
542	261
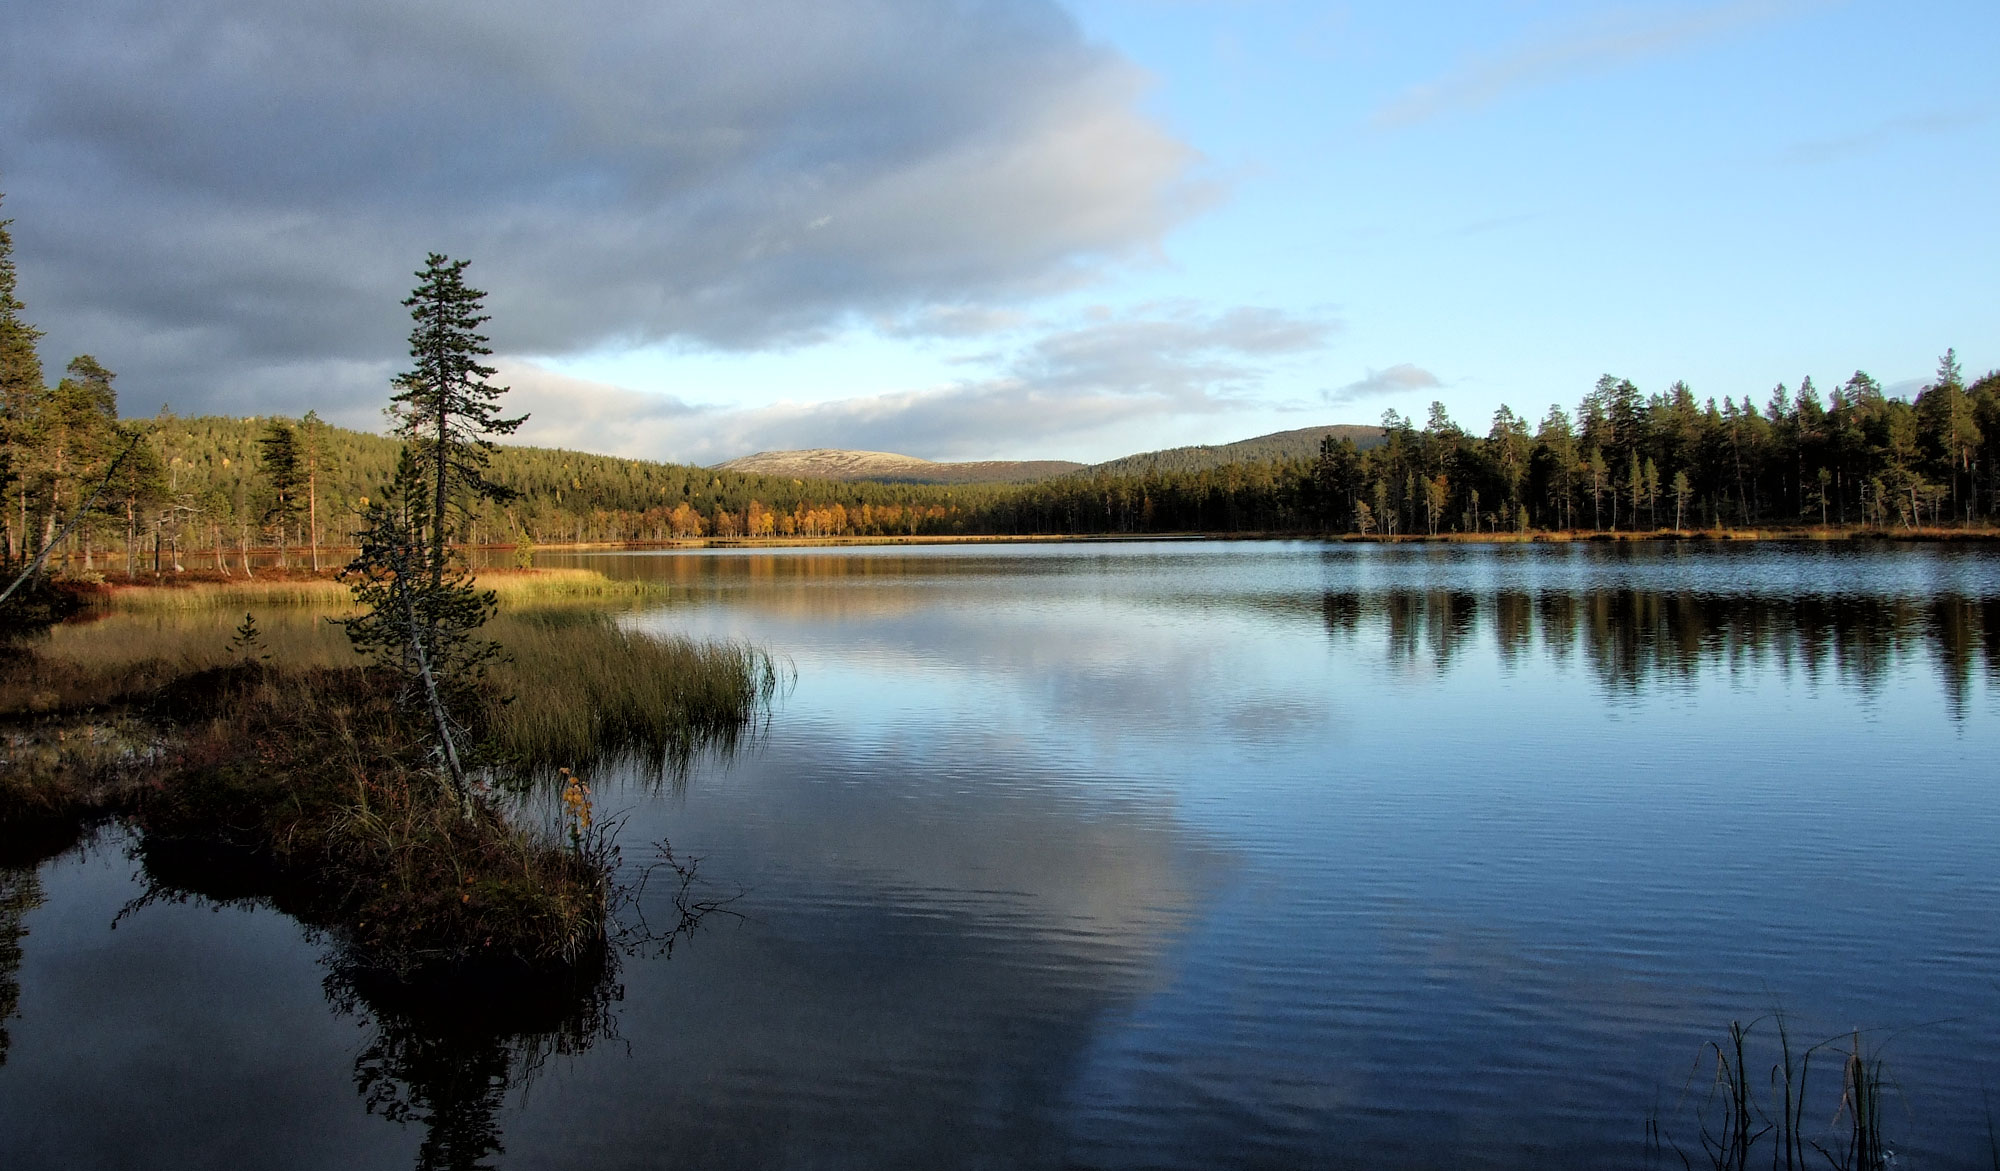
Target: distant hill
1302	443
826	463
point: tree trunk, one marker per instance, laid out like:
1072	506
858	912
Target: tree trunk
312	510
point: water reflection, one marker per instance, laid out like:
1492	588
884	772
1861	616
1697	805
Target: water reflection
1181	856
20	892
444	1053
448	1058
1633	639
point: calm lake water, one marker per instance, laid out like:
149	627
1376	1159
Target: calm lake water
1166	855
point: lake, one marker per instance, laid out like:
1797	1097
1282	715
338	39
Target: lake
1161	854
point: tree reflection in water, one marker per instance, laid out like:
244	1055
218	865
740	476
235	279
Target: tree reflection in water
446	1056
447	1053
1631	639
20	892
449	1048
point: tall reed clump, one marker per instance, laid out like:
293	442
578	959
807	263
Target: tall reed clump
577	688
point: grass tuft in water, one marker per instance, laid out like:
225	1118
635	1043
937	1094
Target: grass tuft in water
577	689
1732	1124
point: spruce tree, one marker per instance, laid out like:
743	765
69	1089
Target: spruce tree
22	394
423	629
283	477
445	408
421	609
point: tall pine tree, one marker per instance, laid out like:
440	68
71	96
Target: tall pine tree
283	478
421	608
22	396
445	408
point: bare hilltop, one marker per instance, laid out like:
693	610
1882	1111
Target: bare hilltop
829	463
826	463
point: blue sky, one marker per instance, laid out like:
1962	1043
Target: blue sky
1013	228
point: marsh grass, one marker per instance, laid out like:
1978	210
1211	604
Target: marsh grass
512	587
577	689
572	688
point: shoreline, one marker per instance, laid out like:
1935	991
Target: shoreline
115	578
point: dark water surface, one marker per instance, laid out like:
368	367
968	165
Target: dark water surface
1142	855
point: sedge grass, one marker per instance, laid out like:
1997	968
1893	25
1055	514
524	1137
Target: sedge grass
572	688
296	760
575	689
512	588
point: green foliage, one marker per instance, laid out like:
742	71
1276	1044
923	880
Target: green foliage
248	642
444	407
21	395
419	618
283	474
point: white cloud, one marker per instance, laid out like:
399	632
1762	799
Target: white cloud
1398	379
1045	399
1626	37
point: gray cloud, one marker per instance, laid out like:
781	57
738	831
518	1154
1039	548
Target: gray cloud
1396	379
226	198
1479	82
1041	400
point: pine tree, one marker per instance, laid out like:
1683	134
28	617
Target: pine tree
283	476
422	627
79	438
421	612
445	408
22	394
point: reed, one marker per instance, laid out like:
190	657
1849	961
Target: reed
511	587
572	688
1732	1123
576	688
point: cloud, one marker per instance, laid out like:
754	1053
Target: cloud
952	321
1887	132
1479	82
220	195
1398	379
1043	399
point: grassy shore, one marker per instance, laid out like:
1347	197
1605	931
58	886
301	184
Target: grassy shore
210	591
294	771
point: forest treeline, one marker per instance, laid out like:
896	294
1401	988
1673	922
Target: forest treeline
1631	461
152	492
217	488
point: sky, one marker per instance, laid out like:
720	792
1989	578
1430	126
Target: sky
1003	229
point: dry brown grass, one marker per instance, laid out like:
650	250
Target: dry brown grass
513	587
576	688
